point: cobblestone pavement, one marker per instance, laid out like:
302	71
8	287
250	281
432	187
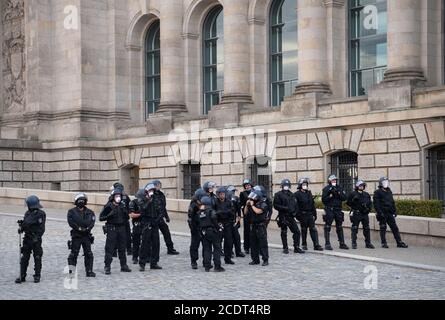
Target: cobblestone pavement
307	276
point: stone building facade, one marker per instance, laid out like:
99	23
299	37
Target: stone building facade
73	96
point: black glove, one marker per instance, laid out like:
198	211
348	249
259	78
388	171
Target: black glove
167	219
189	222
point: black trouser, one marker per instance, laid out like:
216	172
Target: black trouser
31	245
116	238
194	244
136	238
211	243
129	241
83	241
291	223
163	227
236	239
388	219
258	242
246	233
331	215
307	221
228	240
356	219
150	245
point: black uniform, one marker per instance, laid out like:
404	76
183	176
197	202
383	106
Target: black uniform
151	215
34	227
81	223
116	217
332	198
236	207
135	207
226	218
246	226
286	205
163	226
386	213
307	214
258	232
193	222
126	200
360	204
208	223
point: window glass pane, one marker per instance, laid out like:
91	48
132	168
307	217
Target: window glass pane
152	69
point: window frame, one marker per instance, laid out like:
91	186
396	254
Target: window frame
150	53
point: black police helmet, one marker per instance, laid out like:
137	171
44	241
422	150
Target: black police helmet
33	202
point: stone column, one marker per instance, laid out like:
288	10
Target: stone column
404	41
236	53
172	60
313	73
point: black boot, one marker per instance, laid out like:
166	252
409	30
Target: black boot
36	278
125	268
383	237
91	274
402	245
367	234
314	237
298	250
341	239
240	255
155	267
107	270
354	238
194	265
286	251
20	279
172	252
219	269
327	236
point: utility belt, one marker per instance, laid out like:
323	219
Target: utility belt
112	227
305	213
359	212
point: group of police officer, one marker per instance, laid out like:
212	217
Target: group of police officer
214	218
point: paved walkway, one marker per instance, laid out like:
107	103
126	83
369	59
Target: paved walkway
310	276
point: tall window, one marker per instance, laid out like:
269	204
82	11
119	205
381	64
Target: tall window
213	53
367	45
283	50
192	179
345	166
152	70
260	173
436	179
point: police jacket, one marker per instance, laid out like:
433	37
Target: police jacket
243	197
34	222
81	221
236	205
114	214
332	197
285	203
193	214
224	211
151	212
384	202
208	219
254	218
135	207
162	203
306	203
360	202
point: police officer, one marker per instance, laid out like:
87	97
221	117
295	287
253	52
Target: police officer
33	225
81	220
193	222
332	197
211	242
386	212
115	214
163	226
209	188
226	216
247	186
360	203
126	200
151	214
286	205
267	200
256	211
236	207
135	215
307	213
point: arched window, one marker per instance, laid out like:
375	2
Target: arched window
152	70
213	61
367	44
345	166
283	50
436	176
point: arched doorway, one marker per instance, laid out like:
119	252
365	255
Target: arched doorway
344	165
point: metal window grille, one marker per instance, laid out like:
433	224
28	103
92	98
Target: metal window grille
260	174
192	179
345	166
436	177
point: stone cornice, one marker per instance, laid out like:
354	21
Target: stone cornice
256	21
334	3
190	36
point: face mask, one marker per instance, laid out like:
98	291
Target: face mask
305	187
117	199
286	188
334	184
385	184
150	194
81	204
361	189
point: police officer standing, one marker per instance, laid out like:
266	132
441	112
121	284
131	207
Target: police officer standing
236	207
286	205
211	242
256	211
226	217
163	226
135	215
81	220
307	213
209	188
387	212
360	203
151	214
33	225
247	185
332	197
126	200
115	214
193	222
